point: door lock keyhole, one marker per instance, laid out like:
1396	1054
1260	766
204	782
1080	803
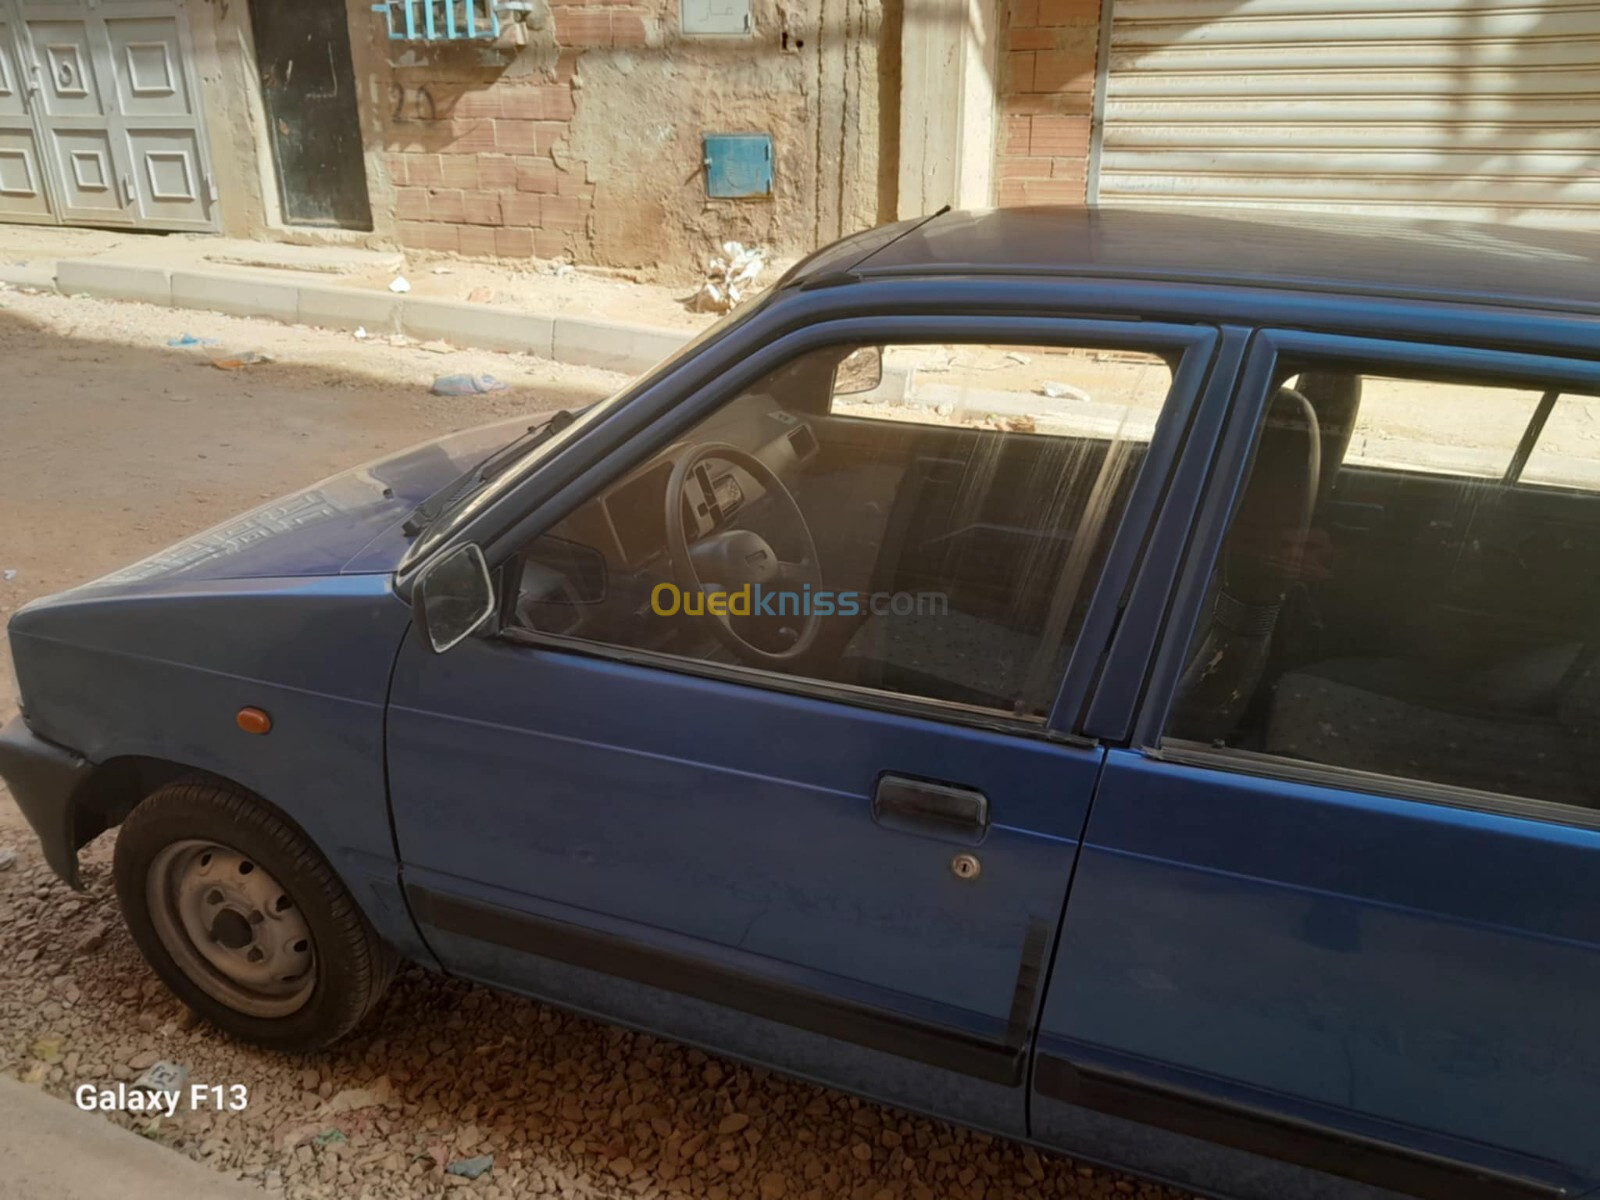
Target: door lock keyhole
966	866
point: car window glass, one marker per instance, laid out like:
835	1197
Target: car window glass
921	520
1567	453
1053	391
1396	606
1439	427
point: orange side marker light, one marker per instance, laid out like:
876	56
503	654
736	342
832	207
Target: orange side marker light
253	720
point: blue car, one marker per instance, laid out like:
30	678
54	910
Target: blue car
1128	681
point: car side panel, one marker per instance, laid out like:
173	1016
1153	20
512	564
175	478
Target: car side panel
1399	972
163	674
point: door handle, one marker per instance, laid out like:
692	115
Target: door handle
937	810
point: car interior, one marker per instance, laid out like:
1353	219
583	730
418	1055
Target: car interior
1414	623
985	540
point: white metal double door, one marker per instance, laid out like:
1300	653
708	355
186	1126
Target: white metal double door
100	120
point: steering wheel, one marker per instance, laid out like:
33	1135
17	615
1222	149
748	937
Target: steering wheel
731	558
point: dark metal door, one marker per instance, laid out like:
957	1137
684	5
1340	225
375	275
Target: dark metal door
309	89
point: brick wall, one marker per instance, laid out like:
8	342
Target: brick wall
473	151
1046	90
587	141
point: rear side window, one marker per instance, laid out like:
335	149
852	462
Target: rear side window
1567	453
1399	594
1439	428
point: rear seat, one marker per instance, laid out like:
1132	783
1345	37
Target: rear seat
1530	727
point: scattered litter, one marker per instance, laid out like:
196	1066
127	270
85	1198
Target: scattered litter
479	295
437	347
443	271
46	1049
8	859
1064	391
563	270
400	286
361	333
8	575
189	339
729	276
163	1076
329	1136
1018	358
1021	424
470	1168
467	385
400	339
36	1073
237	362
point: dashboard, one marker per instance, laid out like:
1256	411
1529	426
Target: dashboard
627	522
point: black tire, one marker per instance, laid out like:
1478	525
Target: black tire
351	968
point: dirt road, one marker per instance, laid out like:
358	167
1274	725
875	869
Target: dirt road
112	446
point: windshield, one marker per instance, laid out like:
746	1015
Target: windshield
511	473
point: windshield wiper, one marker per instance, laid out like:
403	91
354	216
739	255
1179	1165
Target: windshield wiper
436	505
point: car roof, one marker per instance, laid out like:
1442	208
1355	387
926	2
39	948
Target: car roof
1431	260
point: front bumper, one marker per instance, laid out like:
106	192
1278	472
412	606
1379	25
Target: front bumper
44	778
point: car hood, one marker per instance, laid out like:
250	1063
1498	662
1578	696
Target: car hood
348	523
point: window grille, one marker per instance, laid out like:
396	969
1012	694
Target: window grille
441	20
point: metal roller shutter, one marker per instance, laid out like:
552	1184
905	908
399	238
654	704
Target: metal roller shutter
1465	109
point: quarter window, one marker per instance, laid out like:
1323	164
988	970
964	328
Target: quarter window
926	520
1389	599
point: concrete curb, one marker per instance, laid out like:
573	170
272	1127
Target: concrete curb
575	341
41	279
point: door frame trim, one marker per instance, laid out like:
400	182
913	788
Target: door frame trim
999	1060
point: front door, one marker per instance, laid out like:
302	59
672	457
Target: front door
798	784
100	116
1340	906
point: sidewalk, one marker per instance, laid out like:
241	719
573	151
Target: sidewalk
49	1148
574	316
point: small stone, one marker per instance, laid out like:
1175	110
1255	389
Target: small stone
862	1151
733	1123
8	859
144	1060
309	1079
93	938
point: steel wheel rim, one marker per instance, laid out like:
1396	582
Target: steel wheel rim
232	928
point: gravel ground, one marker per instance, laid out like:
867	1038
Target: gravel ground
115	446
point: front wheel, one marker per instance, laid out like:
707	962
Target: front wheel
244	919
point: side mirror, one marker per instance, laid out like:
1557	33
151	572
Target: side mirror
859	371
454	595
